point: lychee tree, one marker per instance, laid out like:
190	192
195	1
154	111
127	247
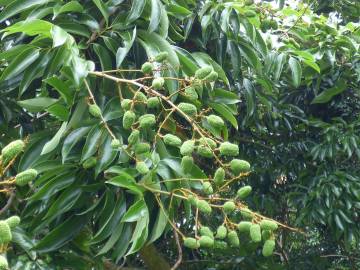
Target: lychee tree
128	111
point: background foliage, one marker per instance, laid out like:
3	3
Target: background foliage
295	70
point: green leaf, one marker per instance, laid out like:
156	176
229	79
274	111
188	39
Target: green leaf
61	235
107	155
92	142
128	40
64	202
136	211
33	72
62	88
155	15
225	112
329	93
103	9
20	63
54	142
296	71
59	111
125	180
37	104
31	28
18	6
71	140
53	186
73	6
20	237
137	8
159	226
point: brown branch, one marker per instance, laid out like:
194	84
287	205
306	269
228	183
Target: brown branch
8	204
179	260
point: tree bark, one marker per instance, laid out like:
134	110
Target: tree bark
153	259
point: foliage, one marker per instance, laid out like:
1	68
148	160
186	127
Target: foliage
284	87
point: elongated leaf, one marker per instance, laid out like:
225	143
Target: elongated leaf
61	234
37	104
20	63
61	87
136	10
328	94
71	141
18	6
155	15
128	40
296	71
126	181
53	143
103	9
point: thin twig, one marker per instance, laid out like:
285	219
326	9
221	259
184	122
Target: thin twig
179	260
8	203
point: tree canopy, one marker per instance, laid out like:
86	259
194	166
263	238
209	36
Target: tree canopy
179	134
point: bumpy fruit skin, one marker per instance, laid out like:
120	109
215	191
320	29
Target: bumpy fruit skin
239	166
207	188
221	232
203	206
13	221
215	121
126	104
268	225
265	25
187	163
153	102
205	151
207	142
141	148
243	192
133	137
233	239
147	120
274	25
229	207
203	72
158	83
212	76
206	241
115	143
128	119
141	167
191	93
244	226
89	163
198	86
5	232
140	97
250	13
220	245
147	68
11	150
3	263
191	243
249	2
255	233
219	176
265	234
21	179
206	231
187	147
229	149
246	214
161	57
188	108
192	200
268	248
95	110
172	140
